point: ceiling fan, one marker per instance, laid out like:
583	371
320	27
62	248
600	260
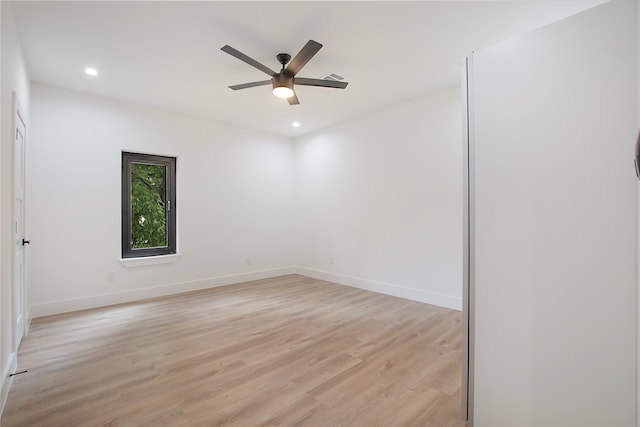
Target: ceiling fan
284	81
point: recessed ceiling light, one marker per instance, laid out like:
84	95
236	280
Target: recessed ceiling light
295	124
91	71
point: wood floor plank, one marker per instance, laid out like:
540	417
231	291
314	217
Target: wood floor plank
288	351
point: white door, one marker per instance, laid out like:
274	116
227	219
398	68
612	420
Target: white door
552	208
18	308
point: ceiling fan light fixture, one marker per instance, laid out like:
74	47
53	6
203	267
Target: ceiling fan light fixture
283	92
283	86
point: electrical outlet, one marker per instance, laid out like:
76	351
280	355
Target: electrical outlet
247	261
332	260
111	276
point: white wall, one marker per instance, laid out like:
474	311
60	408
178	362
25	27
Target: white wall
384	201
379	201
554	125
14	79
235	194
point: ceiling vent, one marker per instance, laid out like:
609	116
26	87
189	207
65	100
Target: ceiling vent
333	76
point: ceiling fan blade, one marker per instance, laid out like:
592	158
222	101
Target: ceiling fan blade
293	100
306	53
302	81
242	57
252	84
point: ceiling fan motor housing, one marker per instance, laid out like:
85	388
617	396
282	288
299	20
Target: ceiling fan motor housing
281	79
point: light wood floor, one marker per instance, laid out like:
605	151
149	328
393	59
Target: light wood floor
290	351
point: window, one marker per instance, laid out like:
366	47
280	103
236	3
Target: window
148	205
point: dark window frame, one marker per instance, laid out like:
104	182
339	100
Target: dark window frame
128	158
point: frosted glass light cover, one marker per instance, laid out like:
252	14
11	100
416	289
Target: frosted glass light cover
283	92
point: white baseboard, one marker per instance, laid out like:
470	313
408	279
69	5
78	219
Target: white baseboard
65	306
413	294
5	383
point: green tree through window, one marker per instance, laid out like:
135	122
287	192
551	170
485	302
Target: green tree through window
148	206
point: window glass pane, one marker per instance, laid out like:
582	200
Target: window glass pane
148	206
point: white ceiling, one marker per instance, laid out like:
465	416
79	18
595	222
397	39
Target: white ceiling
167	54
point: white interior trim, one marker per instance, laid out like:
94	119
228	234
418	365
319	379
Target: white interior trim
441	300
75	304
468	264
638	219
149	260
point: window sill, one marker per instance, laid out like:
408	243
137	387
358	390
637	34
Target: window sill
149	260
